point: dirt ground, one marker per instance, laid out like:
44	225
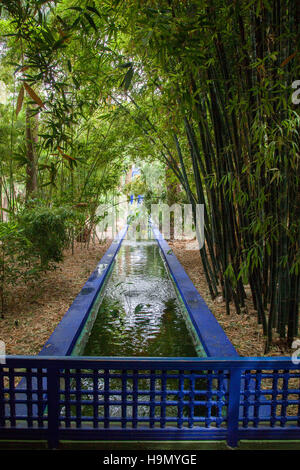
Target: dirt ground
33	312
242	330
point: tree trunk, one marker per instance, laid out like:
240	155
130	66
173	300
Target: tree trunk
31	141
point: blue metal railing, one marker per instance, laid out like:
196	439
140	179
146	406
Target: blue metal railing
82	398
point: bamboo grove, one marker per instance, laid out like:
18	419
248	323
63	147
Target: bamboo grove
206	88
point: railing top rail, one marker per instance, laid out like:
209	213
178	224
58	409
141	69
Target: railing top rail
152	362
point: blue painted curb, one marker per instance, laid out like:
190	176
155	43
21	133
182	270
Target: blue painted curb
212	336
65	335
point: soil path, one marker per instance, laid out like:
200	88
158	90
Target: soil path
33	312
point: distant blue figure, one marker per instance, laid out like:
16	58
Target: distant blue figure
135	171
131	199
140	199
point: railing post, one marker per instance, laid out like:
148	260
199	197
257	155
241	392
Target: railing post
233	407
2	406
53	386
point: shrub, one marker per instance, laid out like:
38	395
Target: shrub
47	231
17	258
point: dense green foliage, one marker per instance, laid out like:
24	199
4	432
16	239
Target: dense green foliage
203	87
46	230
18	261
32	243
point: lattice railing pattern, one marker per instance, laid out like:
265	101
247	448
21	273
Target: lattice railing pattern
270	396
155	398
148	398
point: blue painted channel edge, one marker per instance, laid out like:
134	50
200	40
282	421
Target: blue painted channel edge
64	337
212	336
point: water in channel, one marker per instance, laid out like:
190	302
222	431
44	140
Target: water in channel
140	314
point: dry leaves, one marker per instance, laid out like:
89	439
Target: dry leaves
32	314
242	330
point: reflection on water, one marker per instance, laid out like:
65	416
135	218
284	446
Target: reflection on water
140	314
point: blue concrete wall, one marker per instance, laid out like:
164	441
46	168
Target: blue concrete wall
212	336
65	335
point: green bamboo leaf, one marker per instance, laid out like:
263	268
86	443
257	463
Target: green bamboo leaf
94	10
91	21
75	8
76	22
125	66
127	79
76	83
138	308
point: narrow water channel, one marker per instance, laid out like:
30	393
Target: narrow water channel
140	314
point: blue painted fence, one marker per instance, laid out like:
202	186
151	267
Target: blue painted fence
67	398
